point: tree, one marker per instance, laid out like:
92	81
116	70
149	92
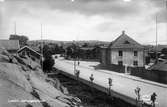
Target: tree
62	50
69	51
48	64
96	52
48	60
22	39
85	45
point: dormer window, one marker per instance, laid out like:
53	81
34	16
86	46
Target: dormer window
126	42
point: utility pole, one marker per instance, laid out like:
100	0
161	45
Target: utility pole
74	57
156	48
41	48
166	16
15	28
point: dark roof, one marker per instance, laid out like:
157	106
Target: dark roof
125	42
160	66
35	48
10	44
29	49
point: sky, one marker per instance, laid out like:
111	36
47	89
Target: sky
102	20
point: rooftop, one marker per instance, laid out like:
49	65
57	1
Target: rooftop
124	41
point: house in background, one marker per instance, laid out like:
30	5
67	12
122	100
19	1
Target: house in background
124	51
12	46
27	51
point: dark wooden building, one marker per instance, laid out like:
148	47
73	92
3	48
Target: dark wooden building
27	51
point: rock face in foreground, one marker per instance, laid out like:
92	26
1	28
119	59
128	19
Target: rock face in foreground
23	84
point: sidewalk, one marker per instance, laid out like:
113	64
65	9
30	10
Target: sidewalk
88	66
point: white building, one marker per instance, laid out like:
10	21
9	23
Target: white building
123	51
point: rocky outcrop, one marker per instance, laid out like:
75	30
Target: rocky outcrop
23	84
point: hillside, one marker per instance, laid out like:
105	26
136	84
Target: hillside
23	84
67	43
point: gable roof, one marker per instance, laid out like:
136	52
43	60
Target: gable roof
125	42
29	49
10	44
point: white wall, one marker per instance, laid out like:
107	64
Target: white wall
103	56
127	58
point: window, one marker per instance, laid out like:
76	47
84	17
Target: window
135	63
120	63
120	53
135	53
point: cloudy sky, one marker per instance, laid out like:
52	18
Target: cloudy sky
84	19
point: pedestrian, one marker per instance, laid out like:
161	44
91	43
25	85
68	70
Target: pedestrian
77	73
110	84
78	63
91	78
153	98
110	81
137	92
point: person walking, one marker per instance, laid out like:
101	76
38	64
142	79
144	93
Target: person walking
91	82
110	84
153	98
77	73
91	78
137	92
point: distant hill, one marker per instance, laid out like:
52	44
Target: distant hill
67	43
89	42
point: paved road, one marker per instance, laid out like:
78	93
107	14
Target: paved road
121	85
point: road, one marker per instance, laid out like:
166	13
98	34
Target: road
121	84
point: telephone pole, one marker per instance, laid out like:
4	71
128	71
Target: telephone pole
166	16
156	47
15	28
41	48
